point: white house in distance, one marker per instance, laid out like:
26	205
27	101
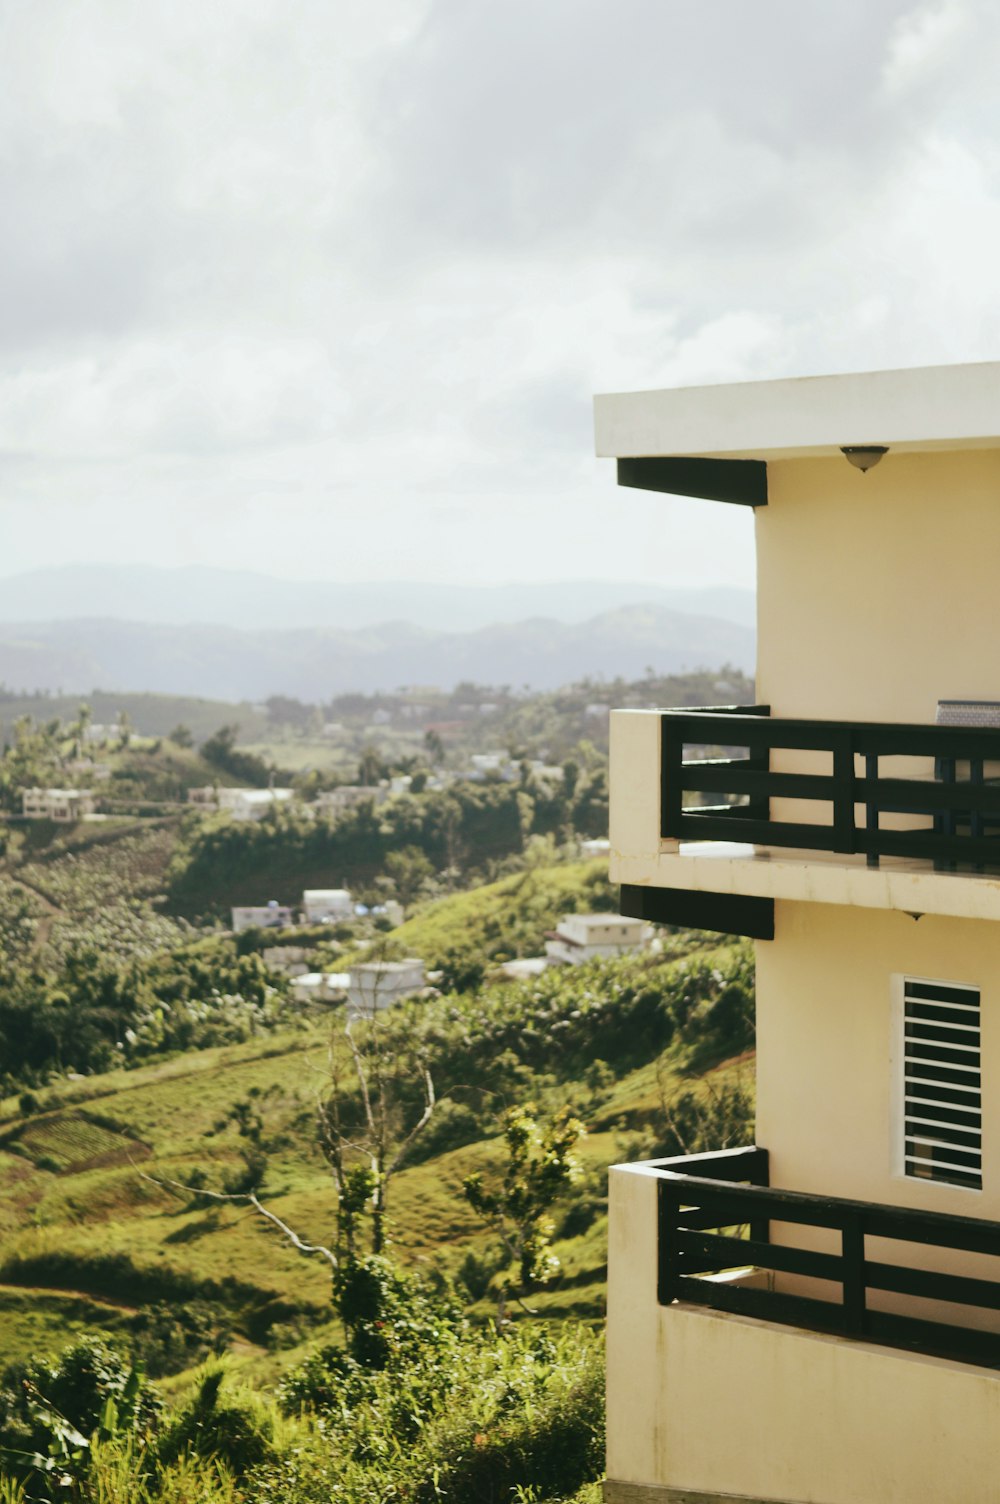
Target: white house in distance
347	796
61	805
268	916
252	804
485	764
584	937
320	986
848	1350
595	846
375	985
327	905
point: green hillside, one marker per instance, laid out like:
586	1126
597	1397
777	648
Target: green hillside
149	714
125	1218
80	1224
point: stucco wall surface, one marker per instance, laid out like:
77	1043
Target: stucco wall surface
828	1049
877	593
718	1403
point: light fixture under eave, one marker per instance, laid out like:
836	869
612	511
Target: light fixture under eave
864	456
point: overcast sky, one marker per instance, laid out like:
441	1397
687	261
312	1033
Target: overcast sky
324	287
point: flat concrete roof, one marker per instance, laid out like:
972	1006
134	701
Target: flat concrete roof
924	408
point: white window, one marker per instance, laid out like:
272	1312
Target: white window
941	1083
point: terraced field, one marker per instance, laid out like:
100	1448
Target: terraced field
94	887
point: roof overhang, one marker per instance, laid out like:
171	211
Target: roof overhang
922	409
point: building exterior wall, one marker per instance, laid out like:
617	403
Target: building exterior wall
876	600
827	1049
264	916
61	805
702	1404
322	904
876	593
374	985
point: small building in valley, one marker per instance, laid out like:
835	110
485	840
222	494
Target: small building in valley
375	985
327	905
333	802
61	805
268	916
320	987
585	937
252	804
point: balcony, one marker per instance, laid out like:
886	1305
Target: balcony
881	815
852	1288
839	1351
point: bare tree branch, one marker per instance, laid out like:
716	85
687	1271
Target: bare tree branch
423	1120
247	1198
362	1076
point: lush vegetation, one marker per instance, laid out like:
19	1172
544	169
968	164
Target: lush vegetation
468	1416
247	1256
95	1010
151	715
464	832
396	1383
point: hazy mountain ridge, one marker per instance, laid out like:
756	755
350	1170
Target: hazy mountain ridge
252	601
313	663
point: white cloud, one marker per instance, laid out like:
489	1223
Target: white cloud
925	44
361	267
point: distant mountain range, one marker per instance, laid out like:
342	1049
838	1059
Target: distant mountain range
315	662
254	602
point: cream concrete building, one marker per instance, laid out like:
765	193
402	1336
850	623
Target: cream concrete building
346	796
374	985
326	905
587	937
252	804
847	1350
62	805
264	916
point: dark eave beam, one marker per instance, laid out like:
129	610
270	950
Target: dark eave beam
741	481
726	913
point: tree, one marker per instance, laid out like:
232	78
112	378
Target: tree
409	871
84	718
371	767
221	751
381	1097
571	777
434	746
181	736
540	1168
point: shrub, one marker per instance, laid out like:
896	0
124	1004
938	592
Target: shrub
237	1431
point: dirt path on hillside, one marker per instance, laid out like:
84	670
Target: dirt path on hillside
52	912
92	1299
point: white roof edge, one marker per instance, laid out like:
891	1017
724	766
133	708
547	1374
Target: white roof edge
918	408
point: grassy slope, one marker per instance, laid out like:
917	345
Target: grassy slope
71	1195
72	1200
507	918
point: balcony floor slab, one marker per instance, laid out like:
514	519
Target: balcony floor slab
908	885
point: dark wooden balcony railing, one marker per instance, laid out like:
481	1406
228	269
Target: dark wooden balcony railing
959	805
703	1197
